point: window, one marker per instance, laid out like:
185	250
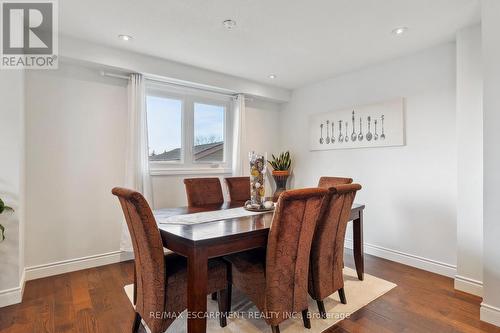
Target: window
208	133
189	131
164	128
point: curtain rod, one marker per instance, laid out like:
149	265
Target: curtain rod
176	84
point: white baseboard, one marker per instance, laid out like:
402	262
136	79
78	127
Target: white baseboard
71	265
469	285
490	314
13	295
408	259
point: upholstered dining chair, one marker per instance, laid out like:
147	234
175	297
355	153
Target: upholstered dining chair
327	182
275	279
239	188
161	279
327	251
203	191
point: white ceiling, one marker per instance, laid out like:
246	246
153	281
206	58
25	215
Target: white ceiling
300	41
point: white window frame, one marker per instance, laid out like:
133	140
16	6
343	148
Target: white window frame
186	165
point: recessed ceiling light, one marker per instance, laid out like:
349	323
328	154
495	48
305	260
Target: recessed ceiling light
229	24
400	30
272	76
125	37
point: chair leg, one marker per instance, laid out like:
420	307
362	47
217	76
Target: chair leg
275	329
135	286
137	323
223	311
214	296
321	309
343	300
306	318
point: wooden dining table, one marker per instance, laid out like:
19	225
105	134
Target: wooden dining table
199	242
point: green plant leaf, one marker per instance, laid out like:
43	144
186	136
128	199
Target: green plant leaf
4	208
2	233
281	163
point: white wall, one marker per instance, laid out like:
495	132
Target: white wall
75	122
262	128
470	162
12	163
490	308
409	191
262	135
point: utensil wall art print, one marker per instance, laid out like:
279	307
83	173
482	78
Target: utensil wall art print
374	125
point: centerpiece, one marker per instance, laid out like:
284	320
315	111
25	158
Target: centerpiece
281	171
257	200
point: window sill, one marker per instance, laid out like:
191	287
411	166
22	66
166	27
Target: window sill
188	171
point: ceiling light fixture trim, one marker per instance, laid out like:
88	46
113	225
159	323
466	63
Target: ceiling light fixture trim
400	30
125	37
229	24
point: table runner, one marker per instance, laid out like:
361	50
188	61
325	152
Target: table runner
204	217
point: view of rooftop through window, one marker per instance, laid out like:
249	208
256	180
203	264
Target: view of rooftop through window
208	133
164	128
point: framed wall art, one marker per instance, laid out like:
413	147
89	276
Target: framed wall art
373	125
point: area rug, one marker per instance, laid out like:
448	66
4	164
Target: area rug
245	316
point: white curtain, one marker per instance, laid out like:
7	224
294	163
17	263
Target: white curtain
240	155
137	167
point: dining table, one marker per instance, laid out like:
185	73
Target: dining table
199	242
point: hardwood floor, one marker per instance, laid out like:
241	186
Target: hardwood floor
93	301
422	302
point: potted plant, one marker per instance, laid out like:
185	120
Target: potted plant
281	171
3	208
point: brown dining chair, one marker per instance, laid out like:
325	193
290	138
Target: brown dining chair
327	182
327	252
275	279
161	279
203	191
239	188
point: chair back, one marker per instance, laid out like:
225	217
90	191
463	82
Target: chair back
239	188
149	257
327	252
203	191
288	251
327	182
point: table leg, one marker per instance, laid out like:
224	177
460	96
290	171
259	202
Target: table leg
358	247
197	291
